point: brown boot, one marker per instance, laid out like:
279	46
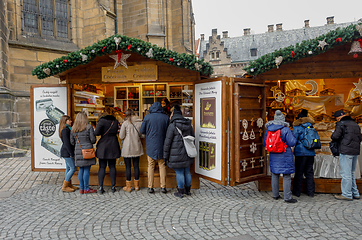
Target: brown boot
136	185
128	187
71	185
66	187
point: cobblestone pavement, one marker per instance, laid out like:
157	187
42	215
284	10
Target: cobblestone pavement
33	207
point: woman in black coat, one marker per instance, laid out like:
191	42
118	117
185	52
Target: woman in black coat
108	149
174	150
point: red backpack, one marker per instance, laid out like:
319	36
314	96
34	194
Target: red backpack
274	142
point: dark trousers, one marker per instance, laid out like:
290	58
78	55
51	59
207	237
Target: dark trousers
303	165
102	171
127	162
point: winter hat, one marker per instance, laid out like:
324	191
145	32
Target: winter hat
339	113
279	116
177	110
303	113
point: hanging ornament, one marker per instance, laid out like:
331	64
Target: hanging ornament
314	87
355	55
84	57
261	132
339	39
310	52
252	70
93	51
178	64
117	41
120	59
104	48
322	44
171	59
150	53
260	122
65	61
358	86
287	101
47	71
355	48
252	161
244	164
292	54
57	66
138	49
261	161
252	134
359	29
253	147
245	134
129	47
279	97
278	61
198	66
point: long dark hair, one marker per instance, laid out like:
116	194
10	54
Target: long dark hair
62	124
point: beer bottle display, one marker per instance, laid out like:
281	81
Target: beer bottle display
207	161
212	155
201	154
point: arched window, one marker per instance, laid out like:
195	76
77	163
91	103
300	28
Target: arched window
46	18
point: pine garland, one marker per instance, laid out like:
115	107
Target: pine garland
108	45
306	48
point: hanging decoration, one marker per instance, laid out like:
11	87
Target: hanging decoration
261	132
358	87
84	57
279	97
120	59
287	101
245	134
253	148
260	122
244	164
129	47
314	87
359	29
355	48
339	39
150	53
117	41
278	61
104	48
47	71
198	66
252	134
65	61
310	52
261	161
292	54
295	100
322	44
171	59
252	161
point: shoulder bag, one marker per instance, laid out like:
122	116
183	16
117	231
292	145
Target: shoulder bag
87	153
108	129
139	134
189	143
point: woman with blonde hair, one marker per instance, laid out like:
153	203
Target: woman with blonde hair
108	149
67	152
132	148
82	137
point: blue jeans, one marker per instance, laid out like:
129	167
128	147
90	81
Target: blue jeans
183	177
69	168
348	167
83	177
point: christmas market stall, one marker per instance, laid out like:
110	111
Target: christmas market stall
322	75
121	73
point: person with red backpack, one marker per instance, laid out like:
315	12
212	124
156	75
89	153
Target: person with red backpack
278	141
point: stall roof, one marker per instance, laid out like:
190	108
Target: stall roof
332	43
115	44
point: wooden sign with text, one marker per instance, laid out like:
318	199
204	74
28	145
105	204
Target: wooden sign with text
132	74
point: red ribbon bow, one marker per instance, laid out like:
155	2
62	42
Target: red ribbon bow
65	60
119	53
129	47
339	39
360	41
292	54
104	48
171	59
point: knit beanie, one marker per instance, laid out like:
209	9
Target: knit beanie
279	116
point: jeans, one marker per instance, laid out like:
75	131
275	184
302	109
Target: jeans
102	171
127	162
83	177
183	177
286	186
69	168
348	183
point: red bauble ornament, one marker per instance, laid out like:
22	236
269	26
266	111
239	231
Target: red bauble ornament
171	59
65	60
104	48
292	54
129	47
355	55
339	39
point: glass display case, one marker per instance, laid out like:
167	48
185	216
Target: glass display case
90	103
127	97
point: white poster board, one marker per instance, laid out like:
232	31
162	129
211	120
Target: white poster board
49	105
208	129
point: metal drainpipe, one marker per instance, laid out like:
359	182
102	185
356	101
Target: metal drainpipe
116	19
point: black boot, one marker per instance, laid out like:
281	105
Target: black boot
101	190
187	191
113	189
179	192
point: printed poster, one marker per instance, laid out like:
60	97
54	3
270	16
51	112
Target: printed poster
50	104
208	120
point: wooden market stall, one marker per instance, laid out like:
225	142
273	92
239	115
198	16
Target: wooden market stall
321	75
120	73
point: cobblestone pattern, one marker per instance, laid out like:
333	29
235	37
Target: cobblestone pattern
212	212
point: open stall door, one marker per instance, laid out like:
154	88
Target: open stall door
211	129
248	154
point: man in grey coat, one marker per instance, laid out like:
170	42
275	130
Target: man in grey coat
154	126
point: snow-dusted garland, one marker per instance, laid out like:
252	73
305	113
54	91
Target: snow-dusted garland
306	48
125	43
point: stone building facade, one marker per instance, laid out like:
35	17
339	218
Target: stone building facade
230	55
38	31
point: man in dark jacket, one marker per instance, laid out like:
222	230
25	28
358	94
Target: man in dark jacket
348	133
154	126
